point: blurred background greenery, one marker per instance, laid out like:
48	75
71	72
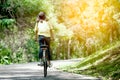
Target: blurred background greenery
81	28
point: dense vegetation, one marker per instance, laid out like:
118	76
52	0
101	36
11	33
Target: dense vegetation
103	64
81	28
96	25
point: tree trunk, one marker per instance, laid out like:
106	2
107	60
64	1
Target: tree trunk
2	1
58	52
69	42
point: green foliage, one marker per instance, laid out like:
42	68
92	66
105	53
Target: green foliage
18	49
81	29
32	50
17	9
106	70
29	10
94	23
7	24
32	8
5	52
9	8
104	63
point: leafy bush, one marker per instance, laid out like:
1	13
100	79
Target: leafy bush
7	24
104	63
32	50
5	52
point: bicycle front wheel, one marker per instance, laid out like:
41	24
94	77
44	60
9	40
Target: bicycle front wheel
45	68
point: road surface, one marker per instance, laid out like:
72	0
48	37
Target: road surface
30	71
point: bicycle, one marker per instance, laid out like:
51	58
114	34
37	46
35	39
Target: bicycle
44	48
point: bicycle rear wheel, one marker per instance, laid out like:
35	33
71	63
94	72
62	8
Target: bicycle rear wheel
45	68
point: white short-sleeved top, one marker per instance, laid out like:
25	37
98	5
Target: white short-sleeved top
43	28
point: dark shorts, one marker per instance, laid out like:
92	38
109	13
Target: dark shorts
43	38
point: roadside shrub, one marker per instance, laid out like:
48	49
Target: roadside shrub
32	50
5	57
7	24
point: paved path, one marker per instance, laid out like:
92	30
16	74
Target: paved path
30	71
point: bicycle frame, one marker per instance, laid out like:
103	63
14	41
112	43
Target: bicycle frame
44	58
44	55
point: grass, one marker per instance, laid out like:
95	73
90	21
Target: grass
104	63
